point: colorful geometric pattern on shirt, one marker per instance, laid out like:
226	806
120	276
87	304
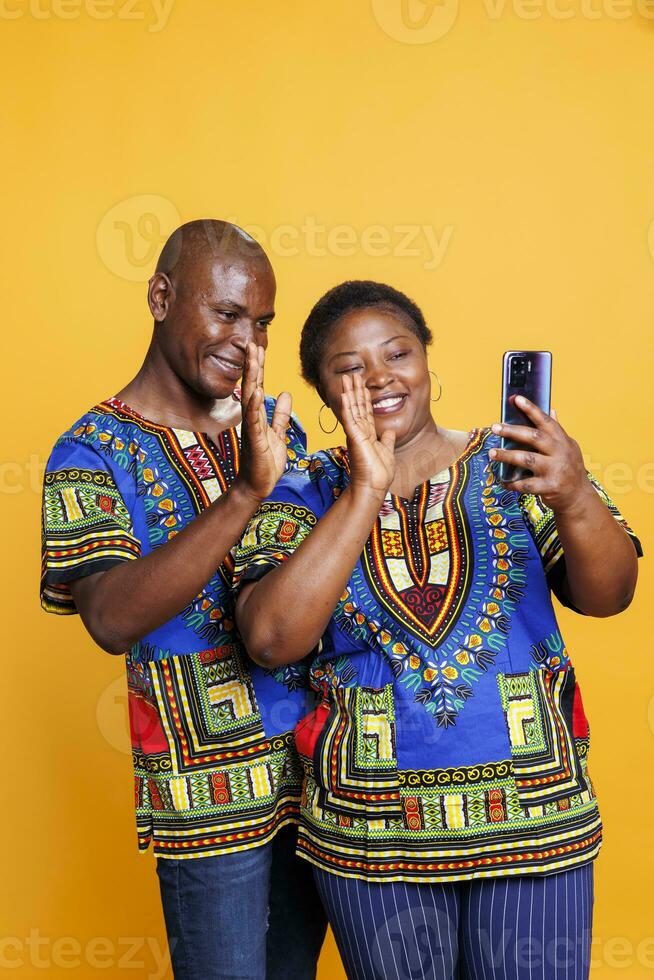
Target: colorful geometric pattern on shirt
355	752
207	780
542	524
537	706
441	661
464	821
274	533
208	709
360	813
448	830
85	525
459	835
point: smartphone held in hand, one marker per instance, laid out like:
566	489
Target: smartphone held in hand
528	373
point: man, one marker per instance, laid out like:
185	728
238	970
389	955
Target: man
144	497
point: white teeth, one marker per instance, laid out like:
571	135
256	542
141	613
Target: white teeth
388	402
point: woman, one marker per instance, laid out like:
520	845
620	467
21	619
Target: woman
448	810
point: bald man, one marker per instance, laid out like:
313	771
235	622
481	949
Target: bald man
144	497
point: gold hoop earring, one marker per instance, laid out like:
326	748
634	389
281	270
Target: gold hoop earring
440	388
326	431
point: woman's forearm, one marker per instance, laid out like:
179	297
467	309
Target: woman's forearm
283	616
601	562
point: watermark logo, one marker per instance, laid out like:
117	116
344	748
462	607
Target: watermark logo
416	21
132	233
425	21
112	715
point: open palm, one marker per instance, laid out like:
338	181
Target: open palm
263	445
372	460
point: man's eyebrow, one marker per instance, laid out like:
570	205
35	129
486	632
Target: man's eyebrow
220	303
353	353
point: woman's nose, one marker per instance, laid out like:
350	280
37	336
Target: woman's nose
379	378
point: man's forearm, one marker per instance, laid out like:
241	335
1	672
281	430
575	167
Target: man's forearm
283	616
601	563
125	603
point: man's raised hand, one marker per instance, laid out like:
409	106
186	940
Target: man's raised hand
263	446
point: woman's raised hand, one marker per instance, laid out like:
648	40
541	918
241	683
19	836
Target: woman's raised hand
372	459
263	446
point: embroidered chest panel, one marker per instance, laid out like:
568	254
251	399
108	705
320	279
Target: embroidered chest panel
417	558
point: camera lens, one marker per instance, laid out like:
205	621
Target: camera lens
518	372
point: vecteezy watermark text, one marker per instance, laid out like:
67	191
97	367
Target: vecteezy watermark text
143	953
153	12
425	21
131	233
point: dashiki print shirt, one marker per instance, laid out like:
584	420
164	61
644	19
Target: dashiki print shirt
450	740
215	768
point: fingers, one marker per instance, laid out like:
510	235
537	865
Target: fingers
554	415
348	420
528	485
524	434
252	410
360	393
261	360
250	374
523	458
282	414
388	439
369	411
532	411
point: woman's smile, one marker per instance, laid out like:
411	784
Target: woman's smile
389	404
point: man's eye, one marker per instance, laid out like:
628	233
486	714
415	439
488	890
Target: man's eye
263	324
227	314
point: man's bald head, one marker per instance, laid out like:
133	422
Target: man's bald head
208	240
213	293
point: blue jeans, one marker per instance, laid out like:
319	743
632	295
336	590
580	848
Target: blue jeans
253	915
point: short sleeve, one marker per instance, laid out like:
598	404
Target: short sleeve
281	523
542	525
86	524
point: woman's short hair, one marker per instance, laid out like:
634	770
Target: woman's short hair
357	294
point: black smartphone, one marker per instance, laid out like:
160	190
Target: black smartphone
529	373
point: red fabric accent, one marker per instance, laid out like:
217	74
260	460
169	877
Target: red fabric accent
579	720
308	730
145	724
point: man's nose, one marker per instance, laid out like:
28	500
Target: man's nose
243	333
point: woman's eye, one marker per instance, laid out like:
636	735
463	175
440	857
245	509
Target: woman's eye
348	370
401	353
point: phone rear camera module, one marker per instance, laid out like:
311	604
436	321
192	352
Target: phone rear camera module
518	372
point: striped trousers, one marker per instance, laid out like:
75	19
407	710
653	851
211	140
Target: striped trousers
535	927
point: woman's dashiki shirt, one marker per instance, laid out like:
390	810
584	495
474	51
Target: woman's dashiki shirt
451	740
212	736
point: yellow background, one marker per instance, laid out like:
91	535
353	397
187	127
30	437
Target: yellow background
521	135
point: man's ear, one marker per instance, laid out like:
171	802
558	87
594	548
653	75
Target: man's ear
161	293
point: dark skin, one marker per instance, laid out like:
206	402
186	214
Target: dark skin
211	312
375	378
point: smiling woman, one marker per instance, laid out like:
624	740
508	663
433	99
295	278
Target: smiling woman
450	744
